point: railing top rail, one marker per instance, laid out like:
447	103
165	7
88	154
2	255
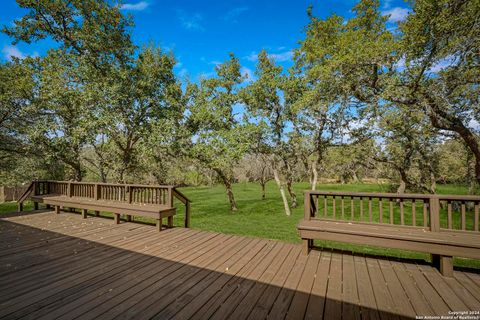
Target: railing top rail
180	196
395	195
111	184
26	192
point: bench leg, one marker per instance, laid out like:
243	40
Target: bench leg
97	213
84	213
159	224
129	218
20	207
48	206
35	206
116	218
306	246
170	221
57	210
446	266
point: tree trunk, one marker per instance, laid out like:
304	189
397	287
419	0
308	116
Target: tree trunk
433	182
282	191
314	176
263	183
292	192
403	182
442	120
228	186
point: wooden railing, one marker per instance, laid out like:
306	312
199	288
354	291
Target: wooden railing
436	212
25	195
128	193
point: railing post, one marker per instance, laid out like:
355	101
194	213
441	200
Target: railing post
187	214
96	191
170	197
35	187
70	189
307	208
130	194
434	206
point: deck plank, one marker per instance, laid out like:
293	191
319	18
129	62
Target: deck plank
316	302
299	303
263	305
333	304
350	299
366	296
403	306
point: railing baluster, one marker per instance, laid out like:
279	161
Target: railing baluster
391	210
425	216
361	208
334	208
402	216
352	209
449	214
325	206
463	216
414	213
475	221
380	210
370	209
343	208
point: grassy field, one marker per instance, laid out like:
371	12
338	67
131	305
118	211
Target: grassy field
266	218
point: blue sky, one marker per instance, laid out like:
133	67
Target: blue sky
203	33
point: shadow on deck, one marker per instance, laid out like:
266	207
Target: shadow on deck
62	266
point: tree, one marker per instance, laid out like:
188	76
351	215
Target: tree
92	30
264	102
219	139
133	99
430	64
441	50
63	110
407	146
257	168
338	61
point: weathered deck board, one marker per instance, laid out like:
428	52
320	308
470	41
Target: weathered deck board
62	266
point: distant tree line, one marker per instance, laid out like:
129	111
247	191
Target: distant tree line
361	101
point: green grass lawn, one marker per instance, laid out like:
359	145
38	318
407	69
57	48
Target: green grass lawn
266	218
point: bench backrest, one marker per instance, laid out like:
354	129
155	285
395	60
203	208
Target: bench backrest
128	193
435	212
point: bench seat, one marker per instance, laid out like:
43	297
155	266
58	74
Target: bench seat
444	243
157	212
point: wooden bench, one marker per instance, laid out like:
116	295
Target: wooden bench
130	200
424	234
157	212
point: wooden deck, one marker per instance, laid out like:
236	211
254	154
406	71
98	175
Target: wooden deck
62	266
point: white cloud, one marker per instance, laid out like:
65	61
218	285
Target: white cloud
12	51
183	73
248	74
474	124
279	57
396	14
283	56
139	6
234	13
190	21
442	64
387	4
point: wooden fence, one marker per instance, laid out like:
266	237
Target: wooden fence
436	212
11	193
